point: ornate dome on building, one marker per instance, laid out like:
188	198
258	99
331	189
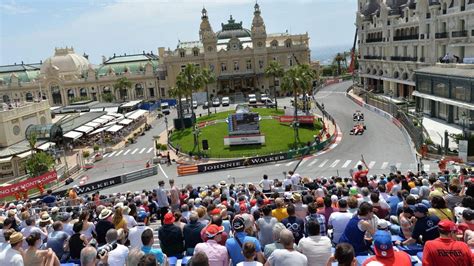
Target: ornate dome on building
233	29
66	62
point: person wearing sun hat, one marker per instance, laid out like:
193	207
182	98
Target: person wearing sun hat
384	253
216	253
13	254
103	225
234	245
445	250
171	237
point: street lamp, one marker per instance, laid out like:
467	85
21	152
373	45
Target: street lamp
167	132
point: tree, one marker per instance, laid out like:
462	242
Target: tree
122	85
32	140
108	97
275	70
208	77
338	58
39	163
298	79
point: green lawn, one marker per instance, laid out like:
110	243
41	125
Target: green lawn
224	115
278	137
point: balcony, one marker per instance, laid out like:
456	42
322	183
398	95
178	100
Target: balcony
406	38
372	40
373	57
441	35
403	58
460	33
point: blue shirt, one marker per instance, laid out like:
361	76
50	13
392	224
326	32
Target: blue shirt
235	250
156	252
354	236
393	202
56	242
427	227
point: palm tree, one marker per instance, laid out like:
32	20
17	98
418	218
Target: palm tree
275	70
178	92
208	77
122	85
338	58
193	81
32	140
298	79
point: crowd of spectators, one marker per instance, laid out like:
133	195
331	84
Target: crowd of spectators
296	221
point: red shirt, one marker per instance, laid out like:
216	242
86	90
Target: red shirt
359	174
446	251
399	258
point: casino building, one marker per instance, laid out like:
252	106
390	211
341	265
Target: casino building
238	56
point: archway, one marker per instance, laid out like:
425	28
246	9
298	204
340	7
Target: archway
138	91
83	92
56	95
70	94
29	97
6	99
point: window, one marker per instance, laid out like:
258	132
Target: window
151	92
288	43
260	64
209	48
183	67
195	52
290	61
211	67
441	89
275	58
274	43
249	64
236	65
163	92
181	53
223	67
424	84
460	90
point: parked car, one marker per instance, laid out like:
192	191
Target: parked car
269	103
263	98
205	105
165	108
216	102
225	101
195	104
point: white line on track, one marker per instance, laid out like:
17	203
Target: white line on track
290	163
398	165
371	164
129	150
142	150
111	154
334	163
149	150
118	153
384	165
161	168
323	163
313	162
346	163
304	161
134	151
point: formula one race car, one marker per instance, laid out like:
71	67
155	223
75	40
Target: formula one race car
358	116
358	129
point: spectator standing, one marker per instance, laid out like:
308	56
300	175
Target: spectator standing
234	245
316	248
12	256
288	255
358	225
313	215
265	226
76	242
266	184
294	224
249	254
103	225
135	233
49	199
384	253
279	212
118	255
445	250
192	233
171	237
57	239
425	226
339	220
360	176
216	253
147	246
174	196
162	200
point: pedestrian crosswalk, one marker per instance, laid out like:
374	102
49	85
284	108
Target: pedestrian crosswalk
312	162
132	151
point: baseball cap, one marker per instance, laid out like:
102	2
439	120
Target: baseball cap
216	211
383	244
141	216
238	224
420	207
213	230
383	224
169	218
447	226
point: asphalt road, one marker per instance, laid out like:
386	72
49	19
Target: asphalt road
383	146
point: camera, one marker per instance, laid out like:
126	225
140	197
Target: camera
105	249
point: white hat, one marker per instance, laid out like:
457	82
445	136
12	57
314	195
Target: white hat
54	209
383	224
120	204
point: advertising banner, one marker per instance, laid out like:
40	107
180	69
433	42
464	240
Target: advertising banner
241	162
306	119
28	184
244	140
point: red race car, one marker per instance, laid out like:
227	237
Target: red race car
358	129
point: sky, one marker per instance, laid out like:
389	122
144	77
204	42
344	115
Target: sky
30	30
